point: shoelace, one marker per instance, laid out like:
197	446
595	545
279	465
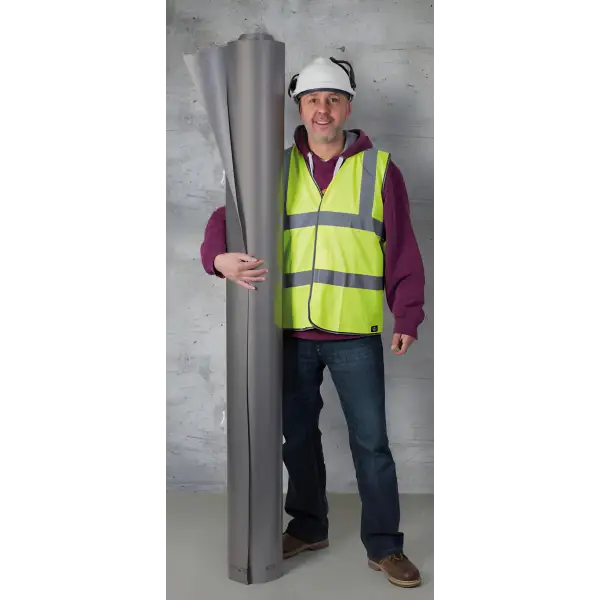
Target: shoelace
397	557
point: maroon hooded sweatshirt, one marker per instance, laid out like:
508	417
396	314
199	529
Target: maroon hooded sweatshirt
404	275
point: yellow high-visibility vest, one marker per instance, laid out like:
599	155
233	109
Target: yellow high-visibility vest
333	249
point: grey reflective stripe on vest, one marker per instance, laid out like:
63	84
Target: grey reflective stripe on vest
363	220
287	157
349	280
335	219
367	184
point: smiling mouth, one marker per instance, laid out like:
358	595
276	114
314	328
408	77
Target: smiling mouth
322	122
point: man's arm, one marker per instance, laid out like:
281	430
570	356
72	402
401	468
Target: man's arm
404	272
215	241
235	266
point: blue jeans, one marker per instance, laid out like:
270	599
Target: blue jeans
356	368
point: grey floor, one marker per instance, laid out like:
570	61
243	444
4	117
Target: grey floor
197	554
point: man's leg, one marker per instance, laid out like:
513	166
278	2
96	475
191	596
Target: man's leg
357	371
358	374
306	500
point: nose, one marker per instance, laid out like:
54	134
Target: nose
324	107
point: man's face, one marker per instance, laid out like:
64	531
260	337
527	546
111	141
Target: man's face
324	115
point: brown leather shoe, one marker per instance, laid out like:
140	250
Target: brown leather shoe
399	570
293	546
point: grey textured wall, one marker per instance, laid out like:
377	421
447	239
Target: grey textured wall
390	44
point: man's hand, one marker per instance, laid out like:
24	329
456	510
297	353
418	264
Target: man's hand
240	268
401	342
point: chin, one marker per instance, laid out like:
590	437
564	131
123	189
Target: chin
323	138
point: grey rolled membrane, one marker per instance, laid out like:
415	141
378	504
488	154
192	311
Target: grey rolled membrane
243	84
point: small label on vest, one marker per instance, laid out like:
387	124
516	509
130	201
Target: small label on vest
374	329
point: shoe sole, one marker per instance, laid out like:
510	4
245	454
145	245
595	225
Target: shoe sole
393	580
307	547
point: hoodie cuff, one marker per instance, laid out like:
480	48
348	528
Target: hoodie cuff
402	325
215	272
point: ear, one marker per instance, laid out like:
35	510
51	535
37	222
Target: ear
349	109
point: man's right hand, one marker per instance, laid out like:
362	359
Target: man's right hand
240	268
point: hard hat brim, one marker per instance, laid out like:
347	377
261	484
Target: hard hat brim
324	89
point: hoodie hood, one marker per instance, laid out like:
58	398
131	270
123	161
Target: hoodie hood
356	141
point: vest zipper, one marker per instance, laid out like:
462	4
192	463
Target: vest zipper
312	280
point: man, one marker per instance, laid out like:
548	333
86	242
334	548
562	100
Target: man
348	240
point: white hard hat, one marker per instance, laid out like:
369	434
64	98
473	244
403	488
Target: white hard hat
324	75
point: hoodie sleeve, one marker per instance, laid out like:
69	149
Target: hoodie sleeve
215	241
404	272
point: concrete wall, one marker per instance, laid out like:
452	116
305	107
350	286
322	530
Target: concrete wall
390	44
